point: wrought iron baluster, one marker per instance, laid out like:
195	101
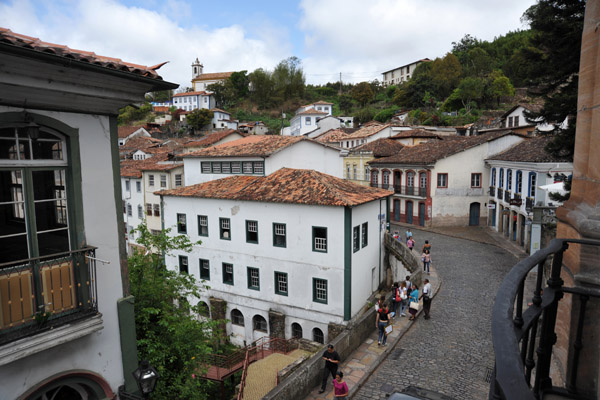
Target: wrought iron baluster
578	345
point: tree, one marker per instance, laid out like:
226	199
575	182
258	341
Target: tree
478	62
288	79
469	90
223	92
499	86
262	87
445	74
240	81
460	48
345	103
160	96
363	93
170	335
199	118
557	26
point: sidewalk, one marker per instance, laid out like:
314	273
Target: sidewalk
359	366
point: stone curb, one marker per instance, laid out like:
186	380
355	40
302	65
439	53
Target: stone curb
352	392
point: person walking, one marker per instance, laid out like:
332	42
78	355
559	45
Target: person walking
332	360
403	298
427	298
410	243
426	246
426	258
381	322
395	300
414	297
340	388
408	234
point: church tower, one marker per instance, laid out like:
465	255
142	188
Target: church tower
197	68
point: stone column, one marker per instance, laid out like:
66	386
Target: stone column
276	324
580	216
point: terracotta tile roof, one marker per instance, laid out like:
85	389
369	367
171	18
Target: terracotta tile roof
367	131
158	162
212	138
311	111
530	150
414	133
201	93
287	185
125	131
333	135
219	110
533	107
139	143
35	44
383	147
321	102
213	75
250	146
432	151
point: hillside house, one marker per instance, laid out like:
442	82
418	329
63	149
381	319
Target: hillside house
400	74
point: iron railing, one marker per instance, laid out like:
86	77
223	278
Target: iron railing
500	193
42	293
402	190
529	202
507	196
516	332
492	191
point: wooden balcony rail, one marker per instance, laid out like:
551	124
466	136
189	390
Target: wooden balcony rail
516	331
41	293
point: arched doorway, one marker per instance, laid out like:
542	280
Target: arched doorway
474	210
71	386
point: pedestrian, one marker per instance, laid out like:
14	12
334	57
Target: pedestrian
408	284
332	359
396	235
414	297
408	234
426	246
339	386
403	298
427	298
395	300
410	243
426	258
381	322
379	303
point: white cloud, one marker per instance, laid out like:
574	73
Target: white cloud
144	37
359	37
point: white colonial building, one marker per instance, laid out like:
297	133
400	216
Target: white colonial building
193	100
66	317
401	74
515	179
284	255
306	118
201	81
260	155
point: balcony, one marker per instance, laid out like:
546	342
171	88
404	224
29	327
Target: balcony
44	293
500	193
492	191
516	200
529	202
507	196
523	339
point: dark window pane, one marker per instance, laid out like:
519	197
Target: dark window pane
48	184
12	219
24	150
13	248
53	242
47	150
11	186
51	215
8	149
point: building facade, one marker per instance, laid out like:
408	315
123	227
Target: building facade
401	74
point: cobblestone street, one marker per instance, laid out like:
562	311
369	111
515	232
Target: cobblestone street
452	352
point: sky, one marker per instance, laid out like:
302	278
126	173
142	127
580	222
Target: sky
358	38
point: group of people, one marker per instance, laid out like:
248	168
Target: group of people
404	295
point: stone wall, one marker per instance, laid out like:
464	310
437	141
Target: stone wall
277	324
403	261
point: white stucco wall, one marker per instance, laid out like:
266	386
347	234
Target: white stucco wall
99	352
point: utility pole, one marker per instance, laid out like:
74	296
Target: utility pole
340	83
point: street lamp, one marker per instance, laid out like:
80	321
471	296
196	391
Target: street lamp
146	376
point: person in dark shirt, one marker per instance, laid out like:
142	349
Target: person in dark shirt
382	320
332	359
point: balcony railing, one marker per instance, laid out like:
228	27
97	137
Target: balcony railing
516	332
529	202
492	191
500	193
41	293
507	196
402	190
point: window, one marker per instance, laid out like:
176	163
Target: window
519	184
356	238
148	209
181	223
386	179
228	273
501	179
226	168
138	186
259	323
532	179
374	178
423	180
237	318
252	231
510	122
307	121
183	264
205	167
493	177
204	309
279	236
442	180
347	171
367	174
204	269
129	210
410	179
140	211
253	278
365	234
476	180
281	283
296	330
157	210
509	179
516	121
259	167
319	235
318	336
225	228
236	167
320	290
202	225
127	186
163	181
247	167
354	172
178	180
150	180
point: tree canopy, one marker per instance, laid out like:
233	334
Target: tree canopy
198	118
